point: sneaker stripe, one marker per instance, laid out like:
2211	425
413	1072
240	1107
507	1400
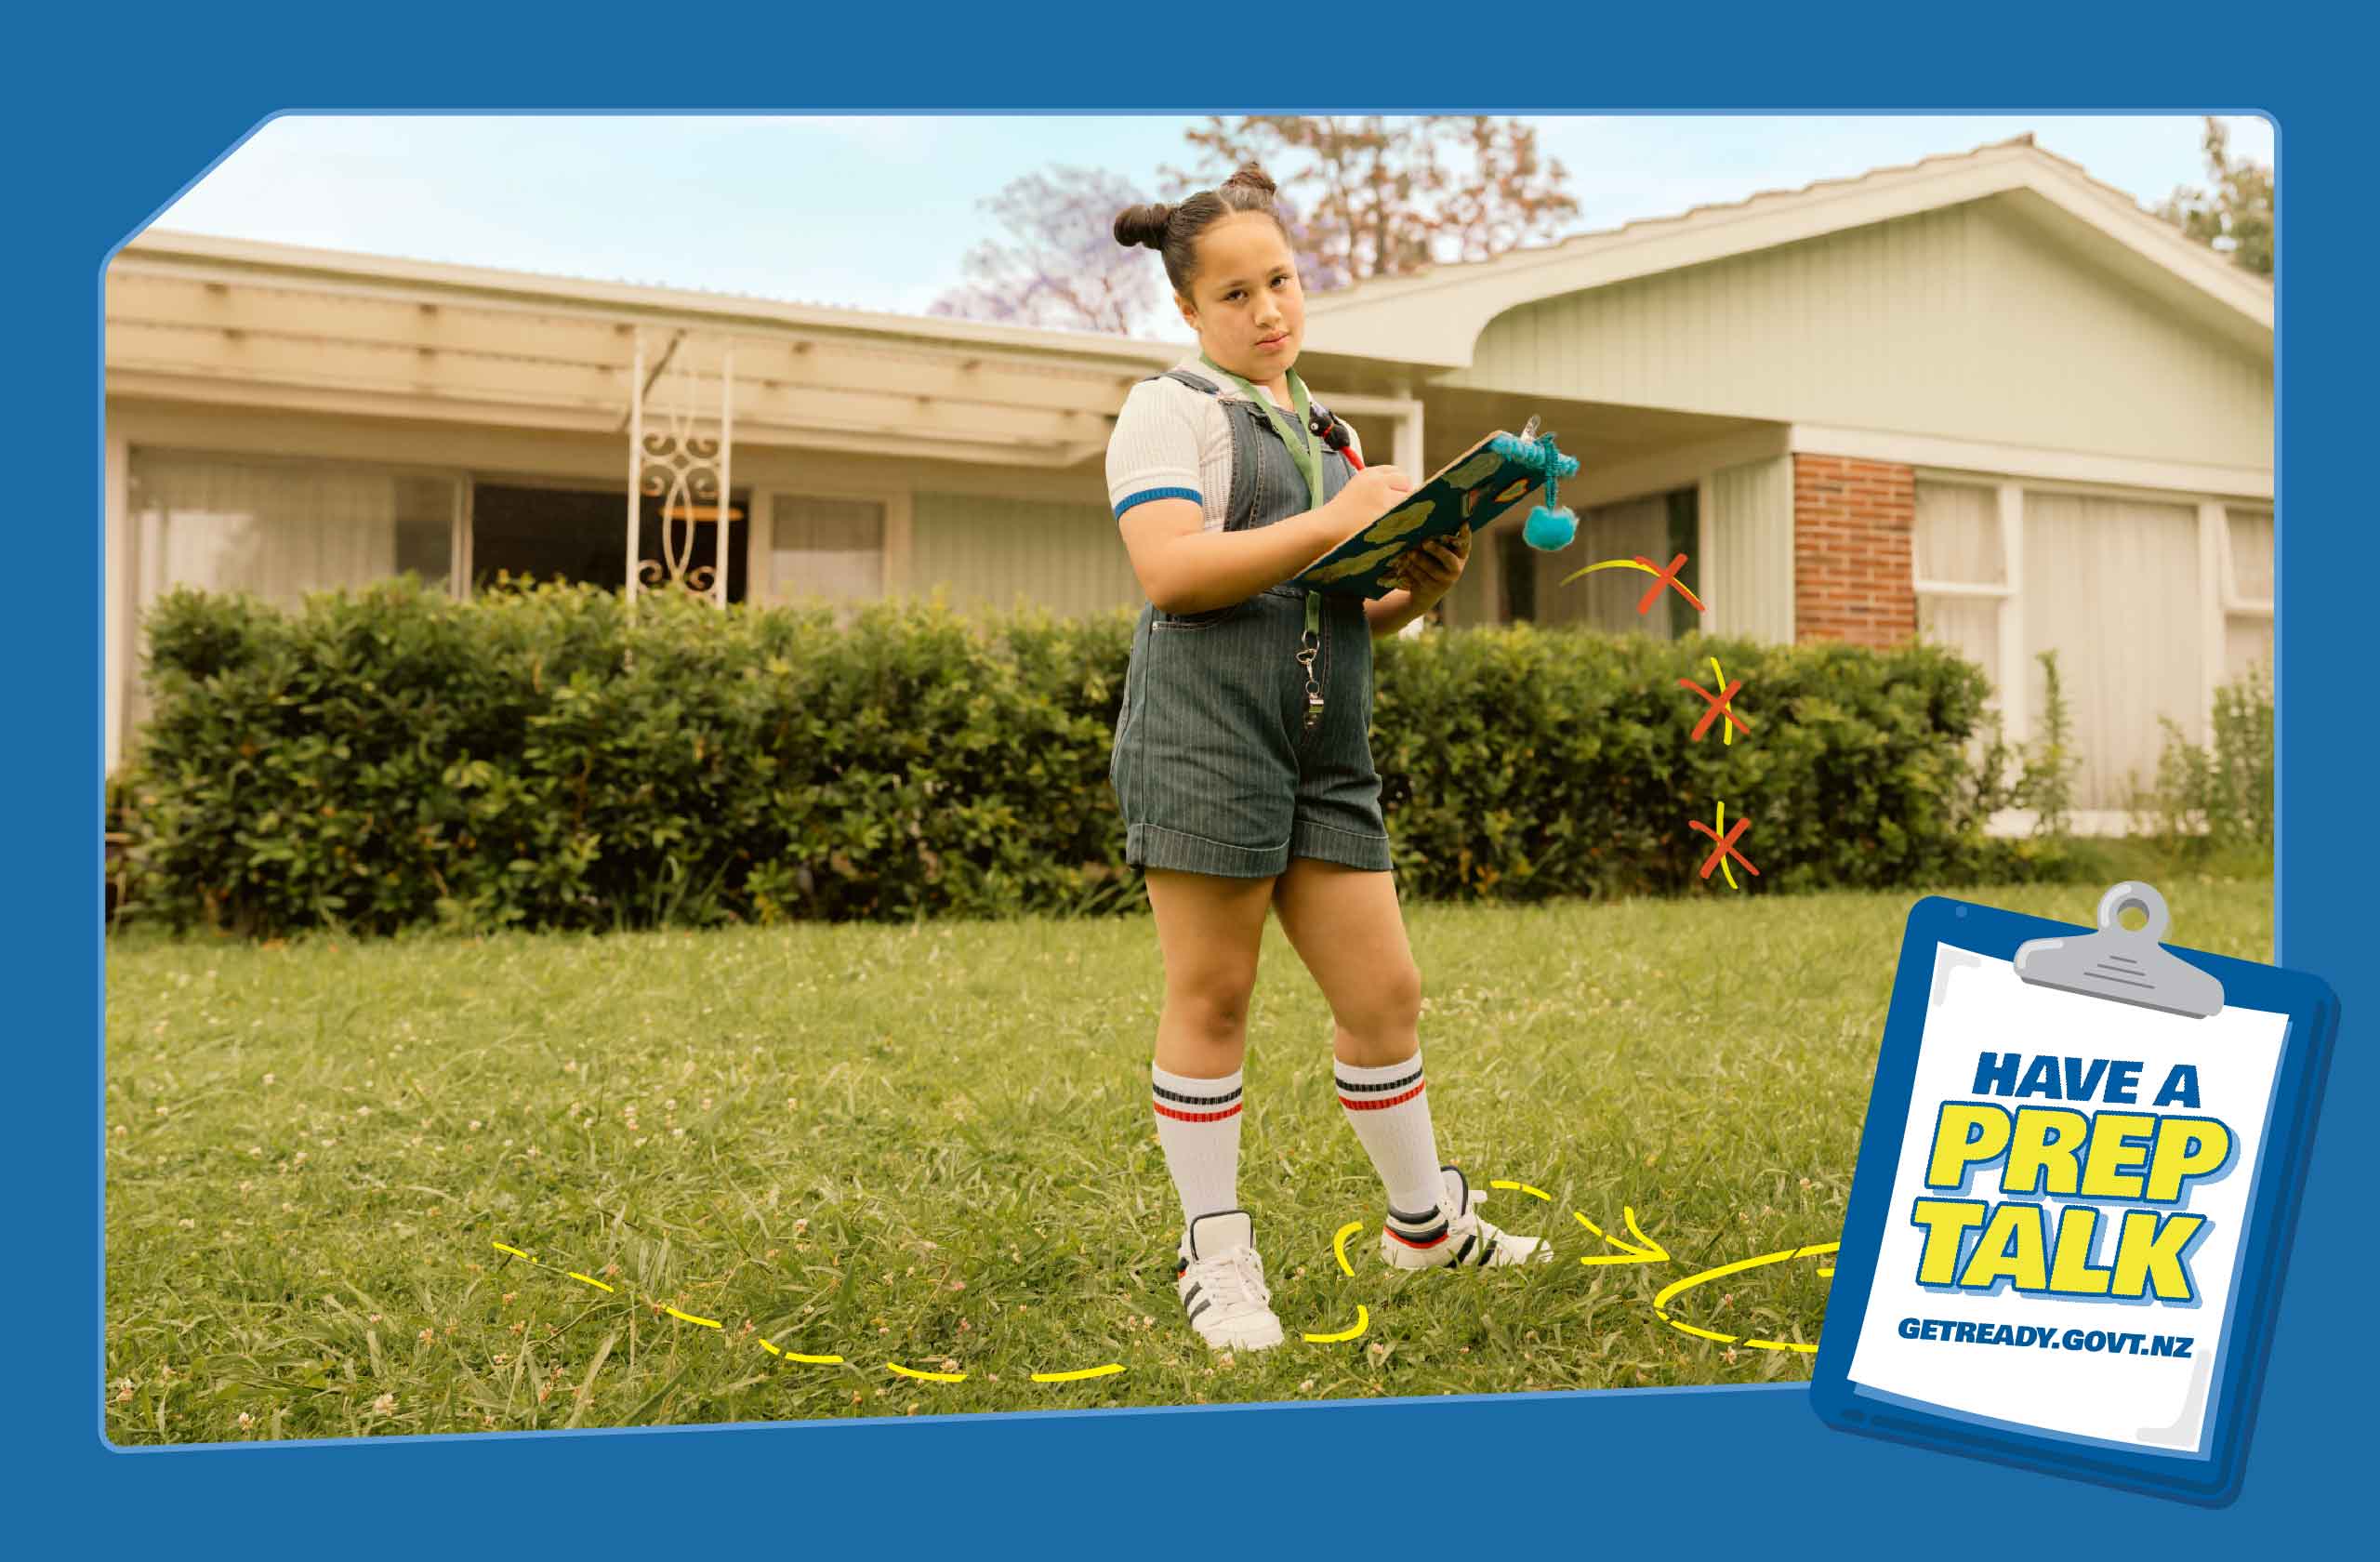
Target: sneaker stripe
1467	1242
1354	1106
1427	1237
1487	1253
1165	1111
1345	1087
1200	1308
1191	1295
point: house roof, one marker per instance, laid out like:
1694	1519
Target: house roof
193	317
254	261
1435	317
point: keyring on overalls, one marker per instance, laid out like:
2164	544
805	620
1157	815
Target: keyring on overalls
1309	646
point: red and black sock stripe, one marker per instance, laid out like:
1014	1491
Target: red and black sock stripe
1374	1098
1195	1108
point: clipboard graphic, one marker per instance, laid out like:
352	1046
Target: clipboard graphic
2075	1197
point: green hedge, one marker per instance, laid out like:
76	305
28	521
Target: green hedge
392	758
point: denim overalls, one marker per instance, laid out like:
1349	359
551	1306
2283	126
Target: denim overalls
1215	765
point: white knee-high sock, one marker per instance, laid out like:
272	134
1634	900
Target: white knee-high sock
1390	1111
1197	1126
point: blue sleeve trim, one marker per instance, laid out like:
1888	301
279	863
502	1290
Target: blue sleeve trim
1147	494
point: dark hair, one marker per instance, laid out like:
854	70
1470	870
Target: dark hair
1173	232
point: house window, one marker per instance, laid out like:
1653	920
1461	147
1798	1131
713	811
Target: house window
277	530
2247	591
579	535
2112	584
1659	527
1963	575
1517	571
829	550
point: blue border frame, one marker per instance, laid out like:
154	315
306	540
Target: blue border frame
2213	1477
122	111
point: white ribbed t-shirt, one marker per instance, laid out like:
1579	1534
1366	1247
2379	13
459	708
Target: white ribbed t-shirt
1174	443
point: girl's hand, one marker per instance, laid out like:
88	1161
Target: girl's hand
1369	495
1429	571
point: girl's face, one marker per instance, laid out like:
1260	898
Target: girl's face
1245	304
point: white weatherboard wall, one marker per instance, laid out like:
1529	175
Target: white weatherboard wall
1964	322
1748	562
990	553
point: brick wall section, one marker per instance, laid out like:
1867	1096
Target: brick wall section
1853	525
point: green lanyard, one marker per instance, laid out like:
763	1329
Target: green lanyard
1304	449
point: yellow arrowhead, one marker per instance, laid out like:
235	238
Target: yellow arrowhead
1643	1251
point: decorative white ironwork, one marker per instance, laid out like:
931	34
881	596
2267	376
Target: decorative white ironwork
671	458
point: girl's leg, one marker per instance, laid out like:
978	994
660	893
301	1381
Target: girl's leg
1209	930
1349	930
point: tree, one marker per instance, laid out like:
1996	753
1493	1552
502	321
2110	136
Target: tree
2237	216
1056	263
1371	196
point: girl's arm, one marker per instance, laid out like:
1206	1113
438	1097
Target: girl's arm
1184	568
1434	570
1391	613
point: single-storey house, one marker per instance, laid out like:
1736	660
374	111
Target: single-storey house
1984	398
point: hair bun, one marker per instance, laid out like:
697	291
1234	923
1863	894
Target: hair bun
1143	225
1253	175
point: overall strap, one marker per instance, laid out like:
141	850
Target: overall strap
1296	428
1297	433
1183	377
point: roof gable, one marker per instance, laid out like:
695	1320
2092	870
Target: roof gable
1435	317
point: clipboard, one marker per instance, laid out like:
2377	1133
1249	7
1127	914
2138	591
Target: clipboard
1970	1313
1498	471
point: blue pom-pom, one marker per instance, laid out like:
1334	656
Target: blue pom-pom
1550	531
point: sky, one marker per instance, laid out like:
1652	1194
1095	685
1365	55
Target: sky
876	213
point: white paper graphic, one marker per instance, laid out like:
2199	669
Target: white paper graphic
2085	1368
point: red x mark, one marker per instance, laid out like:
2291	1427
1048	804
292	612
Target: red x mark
1719	707
1727	847
1665	577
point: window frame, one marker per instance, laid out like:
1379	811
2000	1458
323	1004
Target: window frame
760	533
2010	689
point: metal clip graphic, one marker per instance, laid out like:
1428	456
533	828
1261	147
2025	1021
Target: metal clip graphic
2128	965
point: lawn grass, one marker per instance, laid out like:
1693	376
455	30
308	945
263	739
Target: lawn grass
933	1145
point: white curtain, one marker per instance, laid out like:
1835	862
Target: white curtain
1969	626
2251	554
2247	637
1958	535
2247	641
1607	600
2112	586
1958	543
830	550
277	531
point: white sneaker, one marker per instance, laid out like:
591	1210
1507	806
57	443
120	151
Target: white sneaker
1456	1237
1221	1281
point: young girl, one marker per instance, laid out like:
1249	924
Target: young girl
1242	757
